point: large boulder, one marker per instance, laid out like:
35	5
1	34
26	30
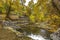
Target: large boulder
56	35
14	16
6	34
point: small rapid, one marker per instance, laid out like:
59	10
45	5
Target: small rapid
36	37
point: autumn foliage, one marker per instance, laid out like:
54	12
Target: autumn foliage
41	12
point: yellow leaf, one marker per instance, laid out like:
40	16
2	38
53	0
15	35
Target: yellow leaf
32	18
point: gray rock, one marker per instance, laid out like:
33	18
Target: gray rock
44	33
56	35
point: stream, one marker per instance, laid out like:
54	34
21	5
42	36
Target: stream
36	37
42	34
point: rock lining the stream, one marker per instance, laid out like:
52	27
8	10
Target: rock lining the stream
56	35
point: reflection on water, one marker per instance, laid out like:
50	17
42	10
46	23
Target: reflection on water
36	37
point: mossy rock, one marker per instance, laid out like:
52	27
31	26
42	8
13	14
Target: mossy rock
2	16
13	16
9	35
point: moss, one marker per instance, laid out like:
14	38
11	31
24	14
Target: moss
9	35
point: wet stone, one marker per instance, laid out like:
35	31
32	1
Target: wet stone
56	35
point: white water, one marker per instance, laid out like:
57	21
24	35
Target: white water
36	37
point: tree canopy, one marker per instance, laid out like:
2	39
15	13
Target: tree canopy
42	11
